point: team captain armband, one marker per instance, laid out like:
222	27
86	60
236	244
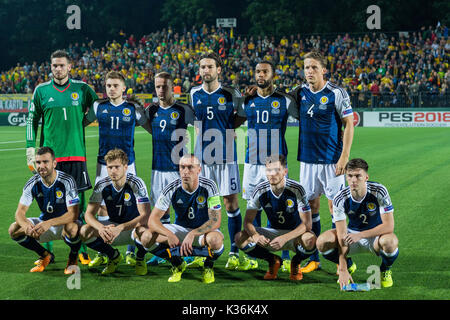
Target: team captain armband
214	203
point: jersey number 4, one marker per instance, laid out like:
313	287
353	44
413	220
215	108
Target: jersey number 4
310	111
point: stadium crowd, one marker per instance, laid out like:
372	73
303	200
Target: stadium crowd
399	69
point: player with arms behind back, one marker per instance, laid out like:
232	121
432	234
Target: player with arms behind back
215	107
323	147
117	118
167	123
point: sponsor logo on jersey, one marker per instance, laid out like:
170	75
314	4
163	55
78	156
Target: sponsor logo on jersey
75	96
324	100
199	101
371	206
59	194
174	115
252	105
51	99
126	112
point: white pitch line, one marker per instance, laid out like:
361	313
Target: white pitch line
23	141
12	149
5	142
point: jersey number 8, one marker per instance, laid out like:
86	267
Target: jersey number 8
191	214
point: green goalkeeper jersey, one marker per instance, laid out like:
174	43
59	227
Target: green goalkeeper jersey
62	109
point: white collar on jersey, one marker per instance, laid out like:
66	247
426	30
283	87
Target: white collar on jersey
56	178
190	193
265	96
353	199
168	107
219	87
284	187
118	105
315	92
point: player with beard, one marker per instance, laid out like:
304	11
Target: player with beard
266	113
215	107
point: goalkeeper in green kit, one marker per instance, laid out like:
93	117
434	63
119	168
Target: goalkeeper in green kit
61	103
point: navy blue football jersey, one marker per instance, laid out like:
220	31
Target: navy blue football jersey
365	214
283	210
320	129
116	126
168	124
191	209
215	113
121	205
266	122
54	200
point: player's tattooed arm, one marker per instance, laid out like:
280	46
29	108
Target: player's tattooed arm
212	224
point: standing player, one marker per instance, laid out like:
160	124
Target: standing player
56	195
284	201
215	106
167	123
117	119
370	227
195	231
128	208
61	104
266	114
323	149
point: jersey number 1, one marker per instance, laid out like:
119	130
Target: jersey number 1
117	123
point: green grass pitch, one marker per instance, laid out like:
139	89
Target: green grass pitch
413	163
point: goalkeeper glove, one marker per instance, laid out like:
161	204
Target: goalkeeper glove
31	159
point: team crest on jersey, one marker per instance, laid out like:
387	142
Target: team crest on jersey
324	100
289	205
75	96
201	200
371	206
59	194
126	112
221	101
275	107
174	115
127	196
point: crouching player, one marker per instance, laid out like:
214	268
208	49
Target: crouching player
57	197
195	232
284	201
128	207
370	228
